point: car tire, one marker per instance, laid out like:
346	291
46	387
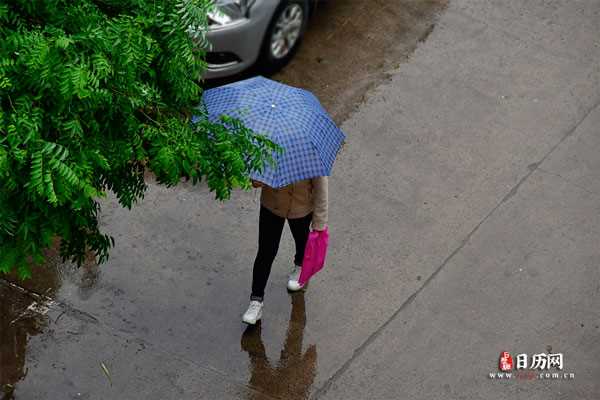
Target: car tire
271	60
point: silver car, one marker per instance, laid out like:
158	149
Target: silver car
242	32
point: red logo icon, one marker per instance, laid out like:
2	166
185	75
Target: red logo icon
506	361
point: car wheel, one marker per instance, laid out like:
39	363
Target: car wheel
284	34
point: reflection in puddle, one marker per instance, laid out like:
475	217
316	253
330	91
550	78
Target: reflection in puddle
23	311
20	317
23	308
84	280
293	375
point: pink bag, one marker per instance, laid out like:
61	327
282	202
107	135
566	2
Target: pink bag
314	255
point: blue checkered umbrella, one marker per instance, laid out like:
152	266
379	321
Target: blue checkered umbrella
291	117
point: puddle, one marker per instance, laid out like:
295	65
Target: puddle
23	313
292	375
24	307
20	318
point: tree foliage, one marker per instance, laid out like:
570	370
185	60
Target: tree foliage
92	94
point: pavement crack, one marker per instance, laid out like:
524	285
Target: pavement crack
545	171
532	167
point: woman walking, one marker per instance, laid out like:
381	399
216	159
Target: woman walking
294	181
304	204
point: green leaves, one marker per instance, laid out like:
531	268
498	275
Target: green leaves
92	94
36	181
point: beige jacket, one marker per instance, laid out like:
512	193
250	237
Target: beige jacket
299	199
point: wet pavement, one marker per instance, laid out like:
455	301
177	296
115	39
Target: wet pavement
179	277
17	323
464	222
351	45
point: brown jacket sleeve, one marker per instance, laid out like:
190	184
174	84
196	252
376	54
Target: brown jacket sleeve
320	199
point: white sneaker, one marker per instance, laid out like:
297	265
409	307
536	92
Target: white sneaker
293	285
253	313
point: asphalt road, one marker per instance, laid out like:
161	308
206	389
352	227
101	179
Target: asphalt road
464	222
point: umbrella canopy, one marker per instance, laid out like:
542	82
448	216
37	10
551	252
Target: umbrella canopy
291	117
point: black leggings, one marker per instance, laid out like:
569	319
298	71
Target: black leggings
270	228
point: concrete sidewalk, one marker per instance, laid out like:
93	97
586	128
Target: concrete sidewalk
489	143
465	213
